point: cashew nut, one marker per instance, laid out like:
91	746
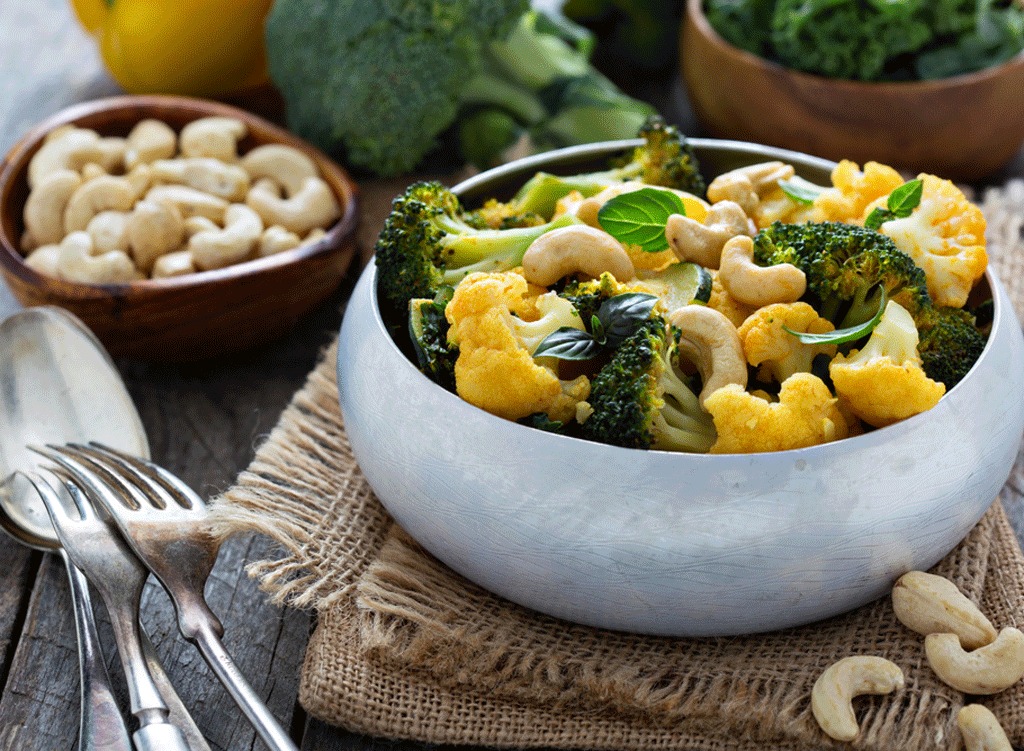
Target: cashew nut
747	185
189	201
209	175
758	285
283	164
703	243
196	224
834	691
70	150
100	194
76	263
91	171
312	206
155	228
234	243
588	209
711	343
987	670
45	259
315	235
215	137
277	240
981	730
573	249
139	177
44	209
148	141
930	604
112	150
109	231
177	263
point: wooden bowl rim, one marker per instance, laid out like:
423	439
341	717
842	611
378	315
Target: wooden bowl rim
17	158
695	14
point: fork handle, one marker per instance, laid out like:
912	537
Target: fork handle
217	657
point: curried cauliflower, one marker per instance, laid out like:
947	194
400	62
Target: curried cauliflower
884	383
725	303
496	328
806	415
765	341
776	206
853	190
945	235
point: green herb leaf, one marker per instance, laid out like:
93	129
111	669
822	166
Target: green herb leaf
597	329
622	315
541	421
840	336
639	218
901	204
800	190
568	343
877	218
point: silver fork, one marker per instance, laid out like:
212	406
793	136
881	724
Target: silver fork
167	524
120	580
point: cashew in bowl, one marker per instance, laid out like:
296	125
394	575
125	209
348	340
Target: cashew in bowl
758	285
149	141
930	604
154	229
209	175
834	691
76	262
987	670
575	249
277	240
100	194
234	243
283	164
215	137
44	209
981	730
45	259
711	343
312	206
178	263
747	185
189	201
703	243
109	231
70	150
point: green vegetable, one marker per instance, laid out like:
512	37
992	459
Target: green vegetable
687	283
615	321
800	190
849	334
745	24
950	344
428	329
639	217
900	205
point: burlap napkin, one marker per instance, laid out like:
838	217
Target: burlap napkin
406	648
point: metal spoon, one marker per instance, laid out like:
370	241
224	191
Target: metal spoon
57	384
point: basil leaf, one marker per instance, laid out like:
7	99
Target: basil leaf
800	190
639	218
568	343
623	314
906	198
839	336
597	329
877	218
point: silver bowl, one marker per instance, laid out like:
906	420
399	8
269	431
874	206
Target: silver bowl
665	543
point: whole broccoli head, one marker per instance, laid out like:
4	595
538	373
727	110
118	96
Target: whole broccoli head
950	344
640	401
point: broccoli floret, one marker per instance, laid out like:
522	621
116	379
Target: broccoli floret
640	400
846	267
497	215
950	344
587	296
427	243
428	329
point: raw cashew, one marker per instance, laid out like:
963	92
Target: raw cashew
76	263
196	224
155	228
209	175
44	209
588	208
109	231
112	152
234	243
703	243
215	137
316	234
930	604
747	185
189	201
91	171
71	150
100	194
835	689
277	240
758	285
148	141
177	263
283	164
987	670
573	249
711	343
981	730
140	177
45	259
312	206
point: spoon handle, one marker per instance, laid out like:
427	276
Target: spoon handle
102	726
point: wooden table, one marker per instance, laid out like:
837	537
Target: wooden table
204	422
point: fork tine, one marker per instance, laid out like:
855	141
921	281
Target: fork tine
136	499
87	479
83	504
51	499
154	475
126	476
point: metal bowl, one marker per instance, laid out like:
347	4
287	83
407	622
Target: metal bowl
666	543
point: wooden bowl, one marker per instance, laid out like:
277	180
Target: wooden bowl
962	128
199	315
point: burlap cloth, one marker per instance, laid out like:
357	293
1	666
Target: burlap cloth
405	648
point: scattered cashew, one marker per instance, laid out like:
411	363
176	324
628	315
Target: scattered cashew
746	185
573	249
100	194
987	670
189	201
930	604
981	730
234	243
312	206
209	175
758	285
44	209
71	150
76	263
834	691
277	240
703	243
215	137
177	263
283	164
45	259
155	228
711	343
109	231
148	141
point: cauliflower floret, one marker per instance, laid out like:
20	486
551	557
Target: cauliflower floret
725	303
805	415
776	206
884	383
853	190
644	261
490	319
765	341
945	235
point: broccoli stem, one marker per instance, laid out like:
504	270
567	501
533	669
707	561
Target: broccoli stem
490	250
863	306
488	89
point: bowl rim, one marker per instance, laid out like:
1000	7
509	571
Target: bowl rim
695	15
868	439
15	163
